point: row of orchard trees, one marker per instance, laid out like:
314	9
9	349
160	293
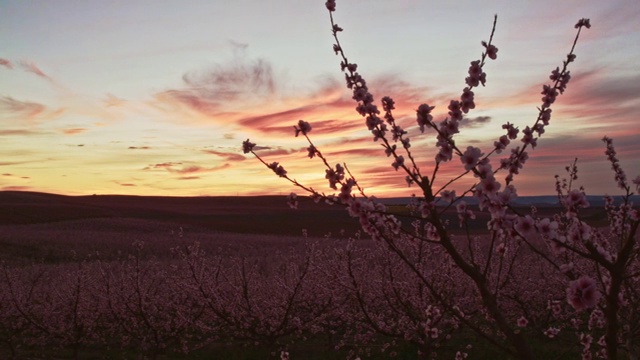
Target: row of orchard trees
595	269
347	298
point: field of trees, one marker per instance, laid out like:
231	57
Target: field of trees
82	284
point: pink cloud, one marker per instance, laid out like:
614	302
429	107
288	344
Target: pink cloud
19	132
24	108
172	167
33	68
186	170
6	63
17	188
210	90
113	101
74	131
228	156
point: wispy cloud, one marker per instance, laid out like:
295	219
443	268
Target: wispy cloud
209	91
114	101
17	188
74	131
21	108
20	132
182	169
33	68
226	155
475	122
6	63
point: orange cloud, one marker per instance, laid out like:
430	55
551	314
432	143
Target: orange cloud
74	131
20	132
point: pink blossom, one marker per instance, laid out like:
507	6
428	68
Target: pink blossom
247	146
303	127
476	75
331	5
454	110
312	151
522	321
292	200
488	186
387	103
501	144
448	196
449	127
399	162
467	100
583	22
551	332
492	51
470	157
555	307
483	169
582	293
501	249
512	131
547	228
426	208
464	213
576	199
334	176
550	93
545	116
278	169
424	117
525	225
446	151
528	138
620	176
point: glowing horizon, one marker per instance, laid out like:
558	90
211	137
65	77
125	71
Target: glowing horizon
142	99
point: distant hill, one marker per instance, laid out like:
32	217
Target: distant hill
255	214
541	201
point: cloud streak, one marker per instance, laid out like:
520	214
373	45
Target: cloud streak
6	63
73	131
29	66
21	108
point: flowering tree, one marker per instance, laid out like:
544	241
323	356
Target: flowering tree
601	266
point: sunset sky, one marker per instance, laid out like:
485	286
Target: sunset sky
155	97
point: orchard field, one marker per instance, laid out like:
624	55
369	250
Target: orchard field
135	277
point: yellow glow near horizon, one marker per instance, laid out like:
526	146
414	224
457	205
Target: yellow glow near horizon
152	99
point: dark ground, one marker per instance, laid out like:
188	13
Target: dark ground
242	215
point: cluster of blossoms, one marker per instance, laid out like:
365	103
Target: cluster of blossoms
572	242
620	177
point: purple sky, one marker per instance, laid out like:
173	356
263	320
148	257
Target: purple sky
155	98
